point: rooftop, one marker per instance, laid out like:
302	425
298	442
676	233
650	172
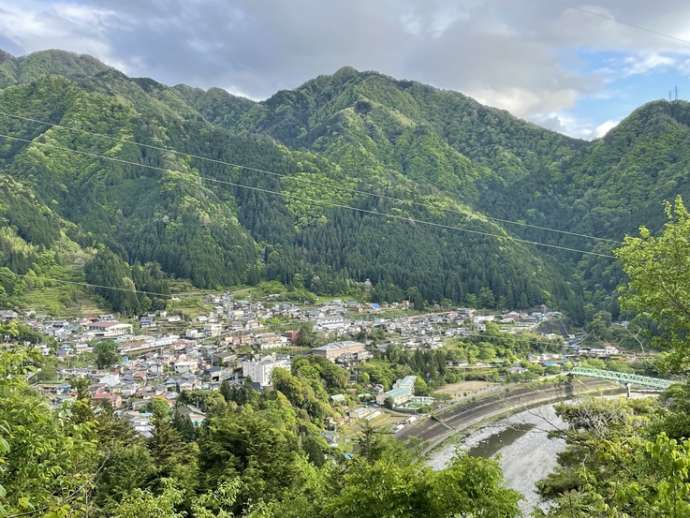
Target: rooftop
334	346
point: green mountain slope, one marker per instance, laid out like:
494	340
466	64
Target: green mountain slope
425	154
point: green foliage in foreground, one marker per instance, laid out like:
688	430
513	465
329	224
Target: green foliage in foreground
657	267
619	462
632	458
262	457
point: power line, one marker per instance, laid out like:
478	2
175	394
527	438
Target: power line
128	290
320	202
290	177
633	25
513	338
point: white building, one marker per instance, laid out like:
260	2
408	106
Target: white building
261	371
110	328
334	323
212	329
268	341
183	365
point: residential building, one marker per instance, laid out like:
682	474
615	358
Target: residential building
401	393
268	341
109	328
8	314
261	371
335	350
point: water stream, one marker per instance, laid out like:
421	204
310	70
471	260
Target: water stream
521	442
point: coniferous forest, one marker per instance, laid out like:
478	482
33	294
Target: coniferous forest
124	181
128	192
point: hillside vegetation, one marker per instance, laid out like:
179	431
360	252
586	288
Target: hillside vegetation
77	204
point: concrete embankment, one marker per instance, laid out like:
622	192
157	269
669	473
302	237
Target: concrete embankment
467	415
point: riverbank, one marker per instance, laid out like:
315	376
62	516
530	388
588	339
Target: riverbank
521	443
523	446
459	420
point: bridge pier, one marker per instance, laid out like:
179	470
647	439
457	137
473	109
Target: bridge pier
627	390
569	385
441	422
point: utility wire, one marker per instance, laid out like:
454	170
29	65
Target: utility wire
312	200
629	24
590	12
293	178
513	338
128	290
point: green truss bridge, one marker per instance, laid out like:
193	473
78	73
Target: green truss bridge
623	377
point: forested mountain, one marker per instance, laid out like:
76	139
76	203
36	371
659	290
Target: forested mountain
76	204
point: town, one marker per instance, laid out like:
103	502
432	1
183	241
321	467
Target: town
163	354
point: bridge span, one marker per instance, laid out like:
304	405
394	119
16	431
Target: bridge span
622	377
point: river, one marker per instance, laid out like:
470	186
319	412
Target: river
525	451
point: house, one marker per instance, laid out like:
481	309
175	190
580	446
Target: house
610	350
114	400
331	437
109	328
228	358
140	421
335	350
8	314
401	393
196	416
111	380
218	374
171	385
330	323
268	341
261	371
364	412
187	382
183	365
146	322
193	333
212	329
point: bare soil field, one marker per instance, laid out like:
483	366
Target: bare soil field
456	390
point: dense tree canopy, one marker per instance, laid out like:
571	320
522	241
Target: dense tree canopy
355	139
261	457
658	286
632	457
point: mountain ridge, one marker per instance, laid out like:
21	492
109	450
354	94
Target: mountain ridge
331	139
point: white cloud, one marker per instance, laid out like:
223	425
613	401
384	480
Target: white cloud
603	128
526	103
565	123
573	126
507	55
73	27
684	66
642	64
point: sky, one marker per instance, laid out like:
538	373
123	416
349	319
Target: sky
573	67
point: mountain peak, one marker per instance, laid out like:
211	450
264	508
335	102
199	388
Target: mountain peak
651	119
345	72
58	62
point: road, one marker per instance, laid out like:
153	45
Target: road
463	417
